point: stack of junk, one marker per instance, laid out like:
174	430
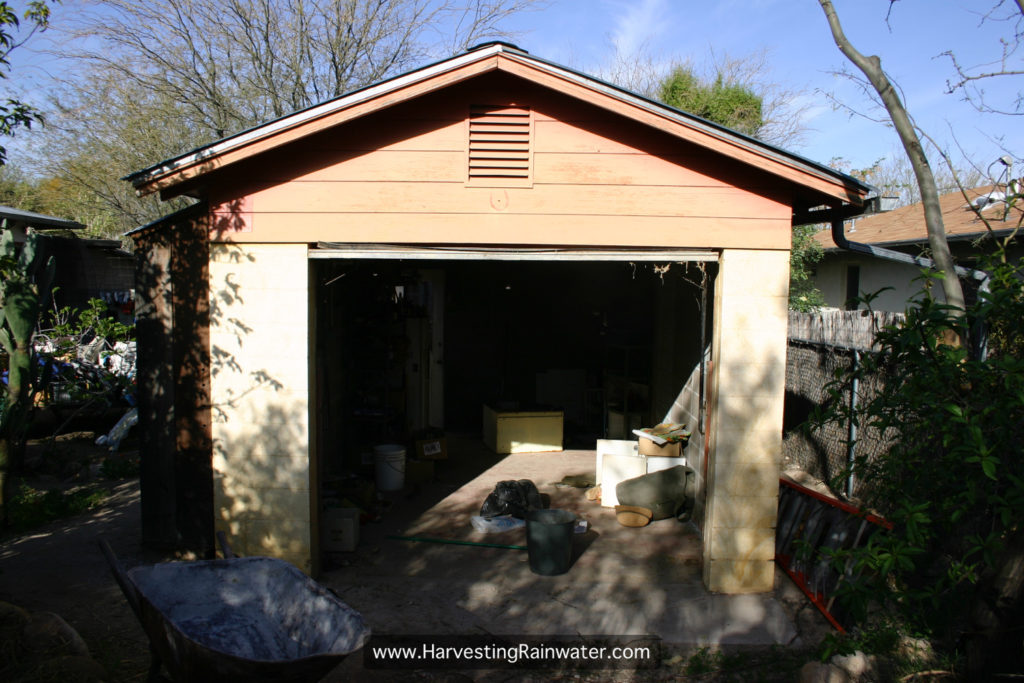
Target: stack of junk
644	481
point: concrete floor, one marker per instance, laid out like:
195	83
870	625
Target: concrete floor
623	581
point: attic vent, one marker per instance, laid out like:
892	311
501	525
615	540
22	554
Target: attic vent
499	145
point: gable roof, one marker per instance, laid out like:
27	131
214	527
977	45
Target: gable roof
826	185
905	225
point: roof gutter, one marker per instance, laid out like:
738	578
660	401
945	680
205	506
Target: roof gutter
839	237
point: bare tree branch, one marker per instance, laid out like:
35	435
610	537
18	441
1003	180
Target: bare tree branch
969	78
871	66
149	80
239	63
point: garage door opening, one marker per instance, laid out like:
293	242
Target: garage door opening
403	345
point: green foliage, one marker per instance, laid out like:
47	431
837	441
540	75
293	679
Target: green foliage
15	114
58	196
703	661
952	480
727	103
70	331
30	508
735	105
803	295
27	279
883	639
120	467
27	275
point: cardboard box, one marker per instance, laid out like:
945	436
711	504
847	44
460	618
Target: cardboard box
669	450
431	449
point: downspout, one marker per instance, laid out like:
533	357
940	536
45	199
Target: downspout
838	236
851	426
980	336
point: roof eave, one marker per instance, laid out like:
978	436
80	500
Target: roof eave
826	181
37	221
148	180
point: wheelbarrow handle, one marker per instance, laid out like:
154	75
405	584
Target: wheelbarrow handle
131	594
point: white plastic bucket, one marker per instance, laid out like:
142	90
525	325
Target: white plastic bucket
341	529
389	461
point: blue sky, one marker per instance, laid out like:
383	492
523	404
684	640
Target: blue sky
584	34
802	57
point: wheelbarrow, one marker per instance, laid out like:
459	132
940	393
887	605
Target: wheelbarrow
238	619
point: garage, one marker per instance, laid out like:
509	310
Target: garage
493	230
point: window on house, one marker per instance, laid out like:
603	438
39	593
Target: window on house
500	146
852	287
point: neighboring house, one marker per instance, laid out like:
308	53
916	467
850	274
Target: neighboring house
85	268
470	232
843	275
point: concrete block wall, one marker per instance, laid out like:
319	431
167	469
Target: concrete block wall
744	459
260	394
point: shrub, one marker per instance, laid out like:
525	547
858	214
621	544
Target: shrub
952	482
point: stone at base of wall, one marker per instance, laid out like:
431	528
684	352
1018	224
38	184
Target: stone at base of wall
855	668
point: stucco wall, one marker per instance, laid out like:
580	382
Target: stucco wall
899	281
259	389
749	348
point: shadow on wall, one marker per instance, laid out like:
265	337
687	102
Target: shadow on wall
261	481
261	463
188	334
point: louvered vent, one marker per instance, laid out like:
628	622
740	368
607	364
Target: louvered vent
499	145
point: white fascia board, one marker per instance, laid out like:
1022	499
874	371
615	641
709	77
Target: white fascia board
458	253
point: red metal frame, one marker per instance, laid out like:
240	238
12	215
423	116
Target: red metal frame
799	578
834	502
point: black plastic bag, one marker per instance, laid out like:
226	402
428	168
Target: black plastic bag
515	498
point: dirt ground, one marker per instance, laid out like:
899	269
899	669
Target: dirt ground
59	568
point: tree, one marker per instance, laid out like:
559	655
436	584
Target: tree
894	177
871	67
239	63
805	252
951	480
26	274
782	108
736	92
969	81
14	113
99	131
730	100
149	80
731	104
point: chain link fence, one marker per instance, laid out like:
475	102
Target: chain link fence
821	347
